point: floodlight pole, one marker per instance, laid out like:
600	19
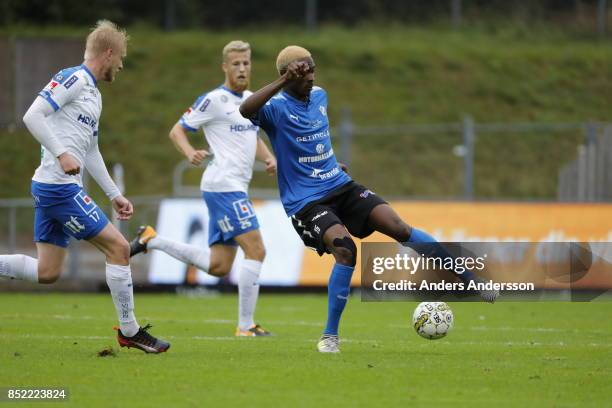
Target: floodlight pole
602	17
456	13
468	158
169	15
118	177
346	135
311	15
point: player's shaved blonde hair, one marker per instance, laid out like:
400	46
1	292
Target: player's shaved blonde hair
235	46
290	54
105	35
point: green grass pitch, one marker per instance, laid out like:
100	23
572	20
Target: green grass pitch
504	355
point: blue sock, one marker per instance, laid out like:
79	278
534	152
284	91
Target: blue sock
337	295
419	236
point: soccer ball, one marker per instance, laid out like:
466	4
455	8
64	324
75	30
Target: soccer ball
432	320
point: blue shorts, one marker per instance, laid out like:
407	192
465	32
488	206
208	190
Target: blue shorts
62	211
230	214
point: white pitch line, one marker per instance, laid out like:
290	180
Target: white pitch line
537	329
445	342
228	321
52	337
533	329
310	324
205	338
171	320
449	342
267	322
510	328
70	317
41	316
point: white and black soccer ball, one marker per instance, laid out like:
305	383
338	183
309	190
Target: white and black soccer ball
432	320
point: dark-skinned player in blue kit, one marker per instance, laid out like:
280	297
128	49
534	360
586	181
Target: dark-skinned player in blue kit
326	206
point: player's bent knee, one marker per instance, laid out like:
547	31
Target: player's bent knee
48	275
47	280
403	232
262	255
219	269
120	252
258	253
398	229
345	251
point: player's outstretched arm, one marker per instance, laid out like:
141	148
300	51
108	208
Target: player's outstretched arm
264	155
181	143
254	103
96	167
34	120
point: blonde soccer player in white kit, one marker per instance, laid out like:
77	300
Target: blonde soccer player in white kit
64	118
234	146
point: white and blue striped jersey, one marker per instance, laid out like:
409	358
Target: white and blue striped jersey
77	103
232	139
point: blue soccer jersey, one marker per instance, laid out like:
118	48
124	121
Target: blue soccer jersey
299	132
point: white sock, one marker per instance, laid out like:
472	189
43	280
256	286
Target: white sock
119	280
248	291
190	254
20	267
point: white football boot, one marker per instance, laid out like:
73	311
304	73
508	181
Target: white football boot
328	344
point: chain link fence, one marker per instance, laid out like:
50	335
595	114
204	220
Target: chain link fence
589	176
468	160
581	170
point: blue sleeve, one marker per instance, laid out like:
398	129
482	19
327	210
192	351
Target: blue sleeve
266	116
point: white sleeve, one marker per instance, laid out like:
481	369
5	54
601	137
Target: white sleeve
94	163
58	92
62	90
34	120
201	112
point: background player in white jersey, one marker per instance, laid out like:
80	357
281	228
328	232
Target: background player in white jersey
64	119
234	146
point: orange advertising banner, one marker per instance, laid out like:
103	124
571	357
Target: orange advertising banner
484	222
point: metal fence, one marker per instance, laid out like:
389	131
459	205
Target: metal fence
585	178
84	262
463	160
489	161
589	176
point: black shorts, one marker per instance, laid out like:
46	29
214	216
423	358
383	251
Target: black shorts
349	205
